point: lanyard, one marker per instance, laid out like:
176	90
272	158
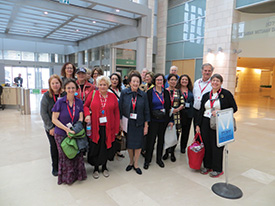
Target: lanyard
212	101
82	94
204	87
172	97
185	94
54	98
162	101
103	103
134	101
72	116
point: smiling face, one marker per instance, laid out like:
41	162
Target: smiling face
70	89
184	81
206	73
69	70
81	76
114	81
134	83
148	79
159	81
55	85
102	86
216	84
172	82
95	75
173	70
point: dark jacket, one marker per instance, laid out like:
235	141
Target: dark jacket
167	104
226	101
190	100
46	106
142	107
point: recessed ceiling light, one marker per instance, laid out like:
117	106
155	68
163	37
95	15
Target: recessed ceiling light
45	12
117	10
77	30
94	22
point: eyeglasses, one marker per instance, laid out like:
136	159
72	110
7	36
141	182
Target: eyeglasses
159	80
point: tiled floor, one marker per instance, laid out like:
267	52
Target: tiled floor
25	173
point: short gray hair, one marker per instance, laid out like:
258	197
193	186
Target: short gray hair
103	78
218	76
174	67
207	65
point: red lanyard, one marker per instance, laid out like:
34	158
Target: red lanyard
54	98
185	94
134	101
204	87
72	116
213	101
103	103
82	94
172	97
162	101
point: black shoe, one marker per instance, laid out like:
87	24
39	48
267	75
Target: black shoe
182	151
165	156
143	153
55	173
120	155
129	167
138	170
160	163
173	158
146	165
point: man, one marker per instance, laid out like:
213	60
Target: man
202	86
143	74
173	70
18	80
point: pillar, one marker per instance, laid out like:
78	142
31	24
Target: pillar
273	84
80	58
113	59
141	53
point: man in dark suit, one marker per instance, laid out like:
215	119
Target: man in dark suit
18	80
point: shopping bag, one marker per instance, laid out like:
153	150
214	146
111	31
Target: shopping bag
170	137
196	152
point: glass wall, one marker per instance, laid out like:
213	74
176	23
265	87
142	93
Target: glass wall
185	31
241	3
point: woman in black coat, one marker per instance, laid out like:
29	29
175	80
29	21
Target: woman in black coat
217	99
159	105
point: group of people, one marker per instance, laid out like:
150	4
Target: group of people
144	107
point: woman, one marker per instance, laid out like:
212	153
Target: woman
217	99
68	72
148	79
159	105
115	86
48	100
66	112
134	106
89	75
186	115
105	125
85	88
96	73
177	104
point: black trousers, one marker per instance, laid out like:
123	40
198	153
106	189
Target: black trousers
185	130
155	129
54	151
213	157
195	119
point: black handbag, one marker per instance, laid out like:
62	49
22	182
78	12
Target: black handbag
157	114
121	140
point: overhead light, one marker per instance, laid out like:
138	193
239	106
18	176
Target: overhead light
94	22
45	12
117	10
28	31
77	30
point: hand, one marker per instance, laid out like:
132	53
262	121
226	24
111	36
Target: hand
171	124
181	107
145	130
69	131
87	118
51	131
214	112
198	130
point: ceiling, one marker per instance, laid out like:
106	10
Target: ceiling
52	20
261	63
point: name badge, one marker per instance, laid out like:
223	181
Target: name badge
69	125
163	110
59	98
187	105
199	98
103	119
208	113
133	116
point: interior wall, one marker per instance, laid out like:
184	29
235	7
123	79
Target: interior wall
186	67
248	80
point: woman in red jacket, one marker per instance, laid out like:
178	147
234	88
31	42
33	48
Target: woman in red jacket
103	112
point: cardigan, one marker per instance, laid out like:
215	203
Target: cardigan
88	88
142	107
226	101
111	112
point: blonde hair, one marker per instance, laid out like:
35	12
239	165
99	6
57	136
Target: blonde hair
103	78
54	76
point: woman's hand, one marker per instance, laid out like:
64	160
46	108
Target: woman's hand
88	118
51	131
145	130
198	130
69	131
171	124
214	112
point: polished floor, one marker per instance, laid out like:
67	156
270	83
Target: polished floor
25	173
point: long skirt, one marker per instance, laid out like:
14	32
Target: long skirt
69	170
98	153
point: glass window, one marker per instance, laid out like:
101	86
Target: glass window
1	57
8	75
31	77
176	15
43	57
174	33
174	51
27	56
12	55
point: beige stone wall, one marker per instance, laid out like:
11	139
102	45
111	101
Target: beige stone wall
249	80
149	58
220	15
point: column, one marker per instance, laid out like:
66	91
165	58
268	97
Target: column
67	58
220	15
89	53
141	53
273	84
113	59
80	58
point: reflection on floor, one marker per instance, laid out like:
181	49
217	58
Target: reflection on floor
26	179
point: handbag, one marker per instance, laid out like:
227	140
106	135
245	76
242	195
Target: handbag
196	152
121	140
69	147
170	137
213	123
157	114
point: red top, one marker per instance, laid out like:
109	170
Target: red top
88	88
111	112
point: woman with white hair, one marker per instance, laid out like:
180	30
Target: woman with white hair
101	108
